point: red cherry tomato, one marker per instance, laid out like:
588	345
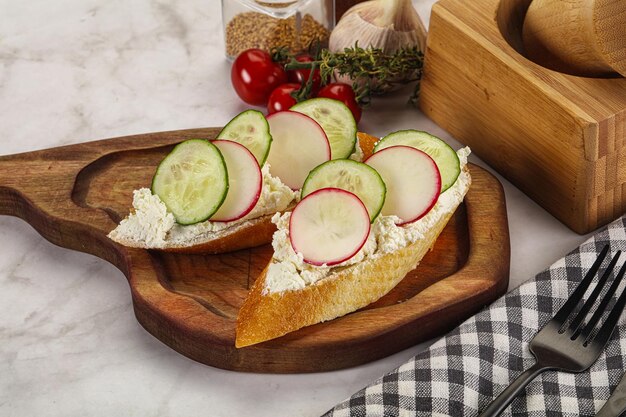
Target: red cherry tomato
344	93
302	75
281	98
254	75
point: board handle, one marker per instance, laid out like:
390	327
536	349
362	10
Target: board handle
37	187
45	179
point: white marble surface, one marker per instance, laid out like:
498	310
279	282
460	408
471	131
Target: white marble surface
73	71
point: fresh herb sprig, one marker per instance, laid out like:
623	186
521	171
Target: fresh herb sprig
373	71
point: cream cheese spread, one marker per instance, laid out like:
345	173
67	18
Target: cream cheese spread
357	155
288	271
152	225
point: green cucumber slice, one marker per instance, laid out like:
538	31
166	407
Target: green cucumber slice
192	181
444	156
356	177
250	129
336	120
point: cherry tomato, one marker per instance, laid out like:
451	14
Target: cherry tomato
281	99
344	93
302	75
254	75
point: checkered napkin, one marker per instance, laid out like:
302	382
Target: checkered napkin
462	373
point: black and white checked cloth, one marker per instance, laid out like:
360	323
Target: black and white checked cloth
461	373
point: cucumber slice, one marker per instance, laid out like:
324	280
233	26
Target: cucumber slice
250	129
445	157
192	181
337	122
356	177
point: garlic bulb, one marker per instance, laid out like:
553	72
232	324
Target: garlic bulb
389	25
385	24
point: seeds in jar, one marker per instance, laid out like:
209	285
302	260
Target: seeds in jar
256	30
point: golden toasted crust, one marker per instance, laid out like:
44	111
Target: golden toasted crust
255	233
366	143
267	316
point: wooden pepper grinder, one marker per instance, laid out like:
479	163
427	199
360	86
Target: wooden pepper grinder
582	37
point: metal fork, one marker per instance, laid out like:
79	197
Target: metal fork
565	343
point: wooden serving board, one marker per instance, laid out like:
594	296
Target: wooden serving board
74	195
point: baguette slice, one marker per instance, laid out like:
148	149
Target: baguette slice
151	226
266	316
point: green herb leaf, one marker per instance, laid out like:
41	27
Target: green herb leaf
373	72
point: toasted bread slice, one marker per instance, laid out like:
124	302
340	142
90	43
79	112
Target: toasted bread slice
150	225
267	315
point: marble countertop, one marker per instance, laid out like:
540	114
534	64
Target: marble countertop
75	71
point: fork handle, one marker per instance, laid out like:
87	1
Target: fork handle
616	404
505	398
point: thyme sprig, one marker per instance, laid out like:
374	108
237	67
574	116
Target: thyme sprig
373	71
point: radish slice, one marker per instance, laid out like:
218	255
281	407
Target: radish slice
412	178
299	145
444	156
329	226
244	181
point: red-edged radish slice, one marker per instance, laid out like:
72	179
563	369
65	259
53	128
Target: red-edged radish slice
329	226
298	145
412	178
244	181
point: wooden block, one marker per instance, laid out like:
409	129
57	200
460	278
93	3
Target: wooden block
560	138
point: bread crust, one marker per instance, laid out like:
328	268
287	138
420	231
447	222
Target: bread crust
267	316
257	232
366	143
248	234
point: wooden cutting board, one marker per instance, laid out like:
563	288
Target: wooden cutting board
74	195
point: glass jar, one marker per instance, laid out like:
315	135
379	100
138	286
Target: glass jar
275	23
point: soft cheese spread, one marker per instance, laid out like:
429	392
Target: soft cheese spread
288	271
357	155
153	225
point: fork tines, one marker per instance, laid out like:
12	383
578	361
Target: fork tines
576	326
